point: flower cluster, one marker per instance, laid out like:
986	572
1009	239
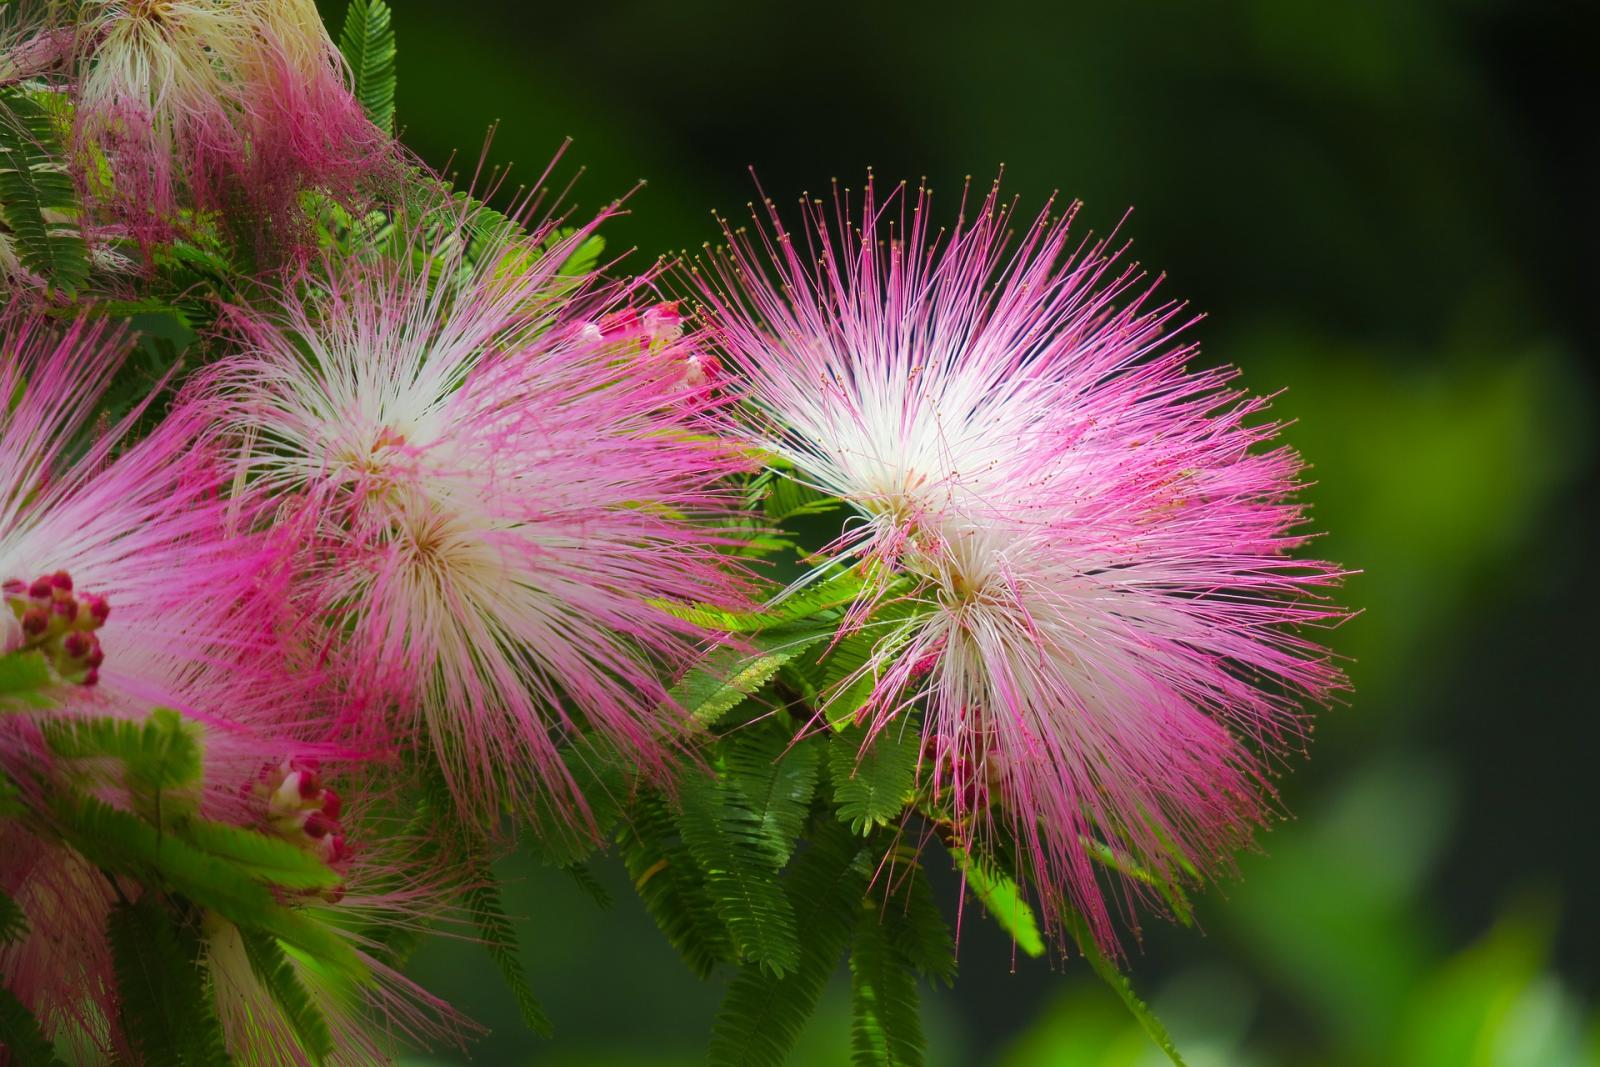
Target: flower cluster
202	103
444	516
1098	536
47	618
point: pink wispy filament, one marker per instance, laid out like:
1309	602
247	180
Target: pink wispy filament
1098	537
192	624
183	104
505	503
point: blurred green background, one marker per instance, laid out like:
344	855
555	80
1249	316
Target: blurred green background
1383	207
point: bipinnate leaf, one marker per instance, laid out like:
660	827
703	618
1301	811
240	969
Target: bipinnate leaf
499	937
368	44
886	1012
728	840
277	975
764	1013
873	781
21	1036
167	1012
673	887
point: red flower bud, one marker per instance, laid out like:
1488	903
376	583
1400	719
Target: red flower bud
62	582
331	804
35	621
317	825
336	849
41	589
90	678
77	644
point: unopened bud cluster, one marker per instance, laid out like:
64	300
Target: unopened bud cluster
46	616
303	810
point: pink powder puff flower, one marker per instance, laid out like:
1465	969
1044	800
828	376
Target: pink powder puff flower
1097	537
186	103
121	564
141	529
507	506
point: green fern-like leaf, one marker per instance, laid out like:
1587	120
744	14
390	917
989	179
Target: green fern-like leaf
166	1011
914	922
1003	899
368	44
776	777
729	675
38	203
807	604
276	974
159	754
21	1035
886	1018
1177	900
763	1014
672	887
122	842
482	899
269	859
1079	930
24	676
727	838
784	498
872	786
605	780
13	920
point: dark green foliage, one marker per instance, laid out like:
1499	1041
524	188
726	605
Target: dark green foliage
914	923
872	786
167	1011
783	498
482	899
886	1023
728	675
276	974
119	841
368	44
586	881
728	840
13	921
603	778
764	1013
672	886
775	778
20	1034
38	203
